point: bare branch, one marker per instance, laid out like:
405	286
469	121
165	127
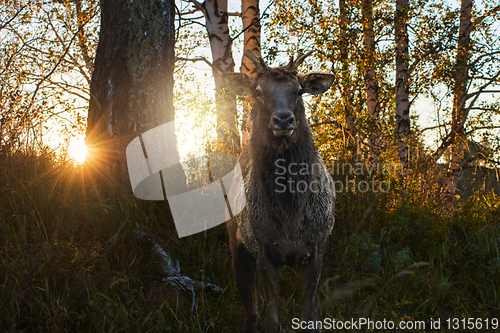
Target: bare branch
485	78
13	17
330	122
12	57
52	71
432	128
434	49
254	21
191	23
481	128
489	54
483	89
189	12
195	60
193	18
480	19
482	92
67	88
196	4
483	109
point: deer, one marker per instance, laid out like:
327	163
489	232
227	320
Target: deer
280	224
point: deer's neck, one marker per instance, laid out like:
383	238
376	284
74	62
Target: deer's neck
288	161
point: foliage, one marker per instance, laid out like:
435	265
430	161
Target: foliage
47	56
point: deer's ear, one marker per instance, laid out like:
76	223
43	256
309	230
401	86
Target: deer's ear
315	83
238	83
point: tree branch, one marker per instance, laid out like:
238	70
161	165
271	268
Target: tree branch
191	23
195	60
192	11
482	89
483	109
480	19
445	144
52	71
432	127
332	122
481	128
196	4
484	78
254	21
13	17
66	87
423	56
81	40
489	54
482	92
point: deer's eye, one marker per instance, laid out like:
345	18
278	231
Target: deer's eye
300	92
258	92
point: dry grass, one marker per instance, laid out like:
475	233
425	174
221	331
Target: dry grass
70	260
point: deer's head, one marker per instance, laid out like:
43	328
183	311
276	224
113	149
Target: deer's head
278	92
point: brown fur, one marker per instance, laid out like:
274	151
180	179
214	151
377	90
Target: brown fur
279	227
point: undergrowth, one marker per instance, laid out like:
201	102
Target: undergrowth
71	259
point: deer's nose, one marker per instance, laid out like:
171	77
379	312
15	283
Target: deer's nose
283	121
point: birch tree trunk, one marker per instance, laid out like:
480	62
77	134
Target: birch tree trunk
459	111
402	83
250	15
371	84
216	22
132	81
346	84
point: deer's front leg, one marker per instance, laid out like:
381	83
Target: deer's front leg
309	276
245	274
270	282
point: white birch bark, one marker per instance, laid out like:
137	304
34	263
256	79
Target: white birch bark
402	83
216	22
371	84
459	111
250	15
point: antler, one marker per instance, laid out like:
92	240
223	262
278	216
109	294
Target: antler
293	65
260	65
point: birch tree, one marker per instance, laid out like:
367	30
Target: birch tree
346	80
250	16
402	82
371	83
216	17
459	110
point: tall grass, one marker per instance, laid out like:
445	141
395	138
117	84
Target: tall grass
71	261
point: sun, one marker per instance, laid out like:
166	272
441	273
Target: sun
77	149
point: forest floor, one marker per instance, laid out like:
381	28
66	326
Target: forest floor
71	261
